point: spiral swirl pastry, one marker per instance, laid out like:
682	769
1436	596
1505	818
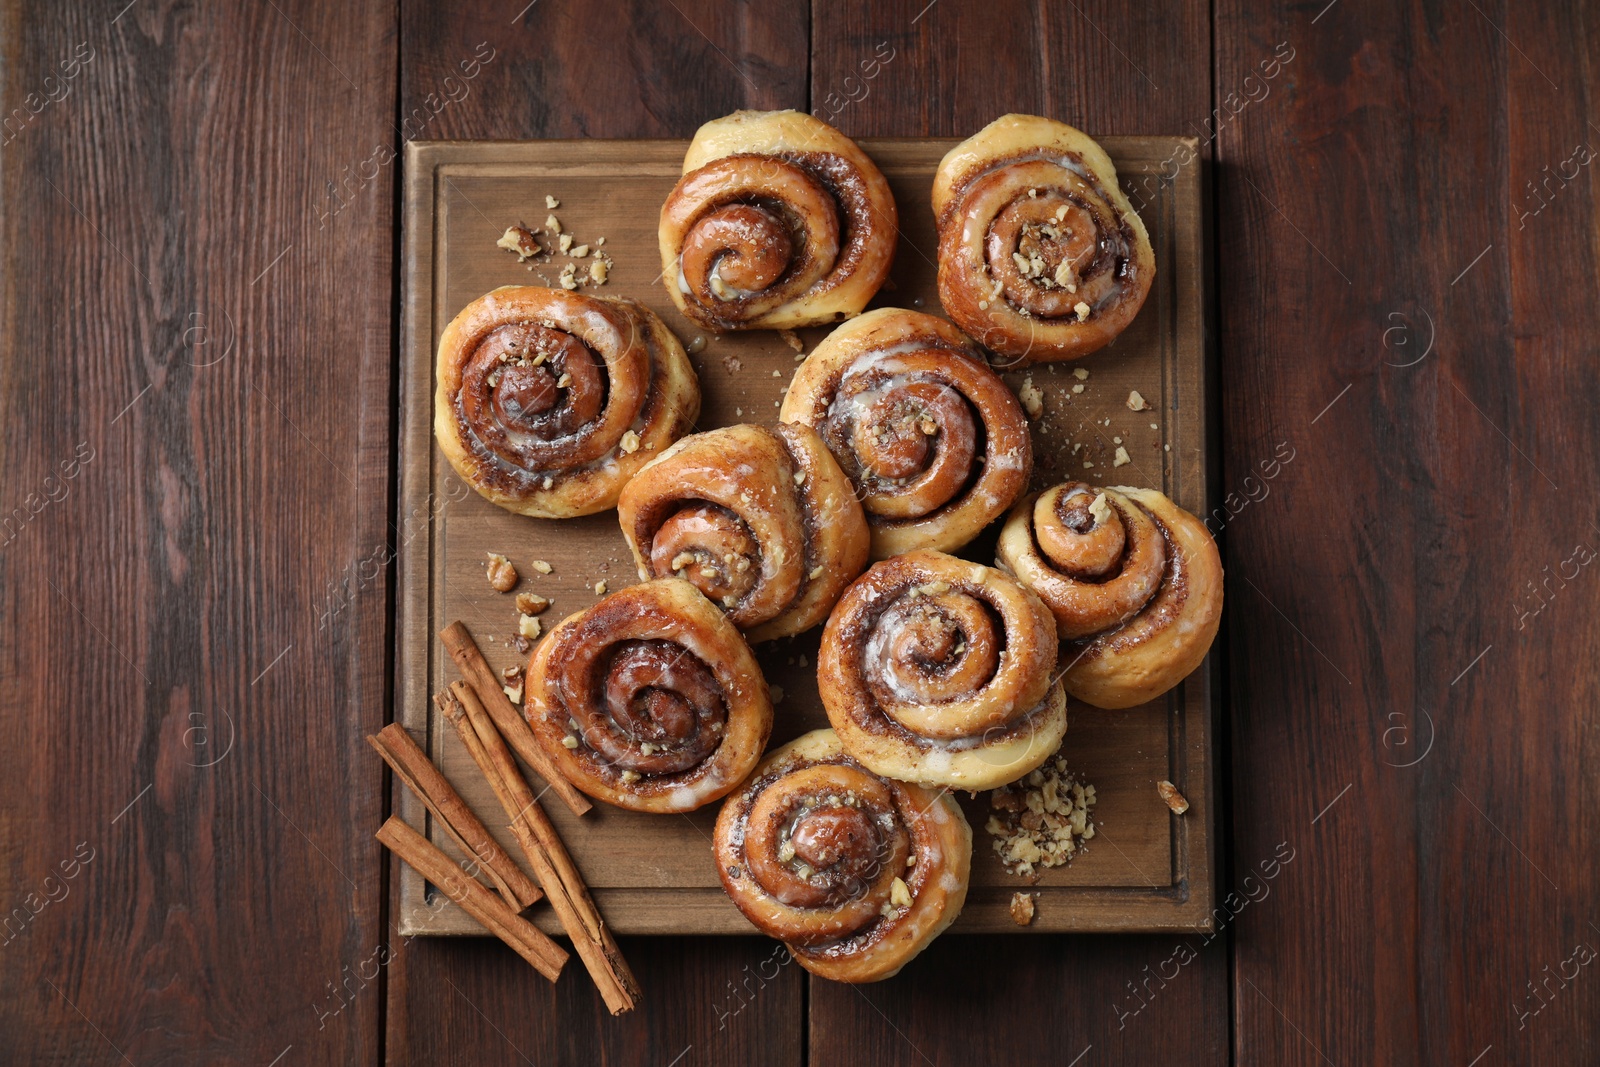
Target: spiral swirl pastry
1041	257
1133	580
935	442
548	401
762	521
649	700
855	873
779	221
939	671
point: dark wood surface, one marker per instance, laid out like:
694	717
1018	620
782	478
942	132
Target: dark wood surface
199	326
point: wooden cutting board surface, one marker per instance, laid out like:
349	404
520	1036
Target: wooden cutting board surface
1145	870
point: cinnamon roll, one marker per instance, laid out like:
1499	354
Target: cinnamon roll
1041	257
934	441
855	873
548	401
1133	580
763	521
940	671
649	700
779	221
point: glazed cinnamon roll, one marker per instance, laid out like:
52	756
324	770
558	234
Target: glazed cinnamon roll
939	671
935	442
548	401
855	873
649	700
763	521
1041	257
1133	580
779	221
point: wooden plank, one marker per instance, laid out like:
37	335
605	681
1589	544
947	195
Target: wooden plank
1404	309
1110	69
634	69
1149	871
191	324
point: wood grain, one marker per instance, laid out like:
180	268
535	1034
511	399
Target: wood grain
958	65
1455	864
181	306
1150	871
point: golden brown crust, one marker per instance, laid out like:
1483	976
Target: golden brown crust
649	700
779	221
761	520
1133	580
936	444
856	874
1041	257
548	401
940	671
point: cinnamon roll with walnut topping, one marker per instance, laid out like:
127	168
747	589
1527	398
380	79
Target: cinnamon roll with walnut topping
940	671
762	520
779	221
1133	580
855	873
649	700
1041	257
935	442
548	401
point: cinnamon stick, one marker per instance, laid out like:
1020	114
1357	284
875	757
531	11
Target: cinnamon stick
513	727
548	857
527	940
412	766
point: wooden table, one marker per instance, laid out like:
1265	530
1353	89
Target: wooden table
198	380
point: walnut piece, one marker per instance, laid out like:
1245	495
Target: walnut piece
1136	402
542	567
519	239
502	575
1175	800
1032	399
529	627
1022	908
531	603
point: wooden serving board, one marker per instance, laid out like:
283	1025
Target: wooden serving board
1145	870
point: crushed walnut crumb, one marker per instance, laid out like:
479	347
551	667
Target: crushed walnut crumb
1080	373
502	575
1042	820
529	627
551	202
630	442
598	271
600	587
1175	800
1022	908
1121	457
792	339
1136	402
1100	509
541	566
552	224
531	603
